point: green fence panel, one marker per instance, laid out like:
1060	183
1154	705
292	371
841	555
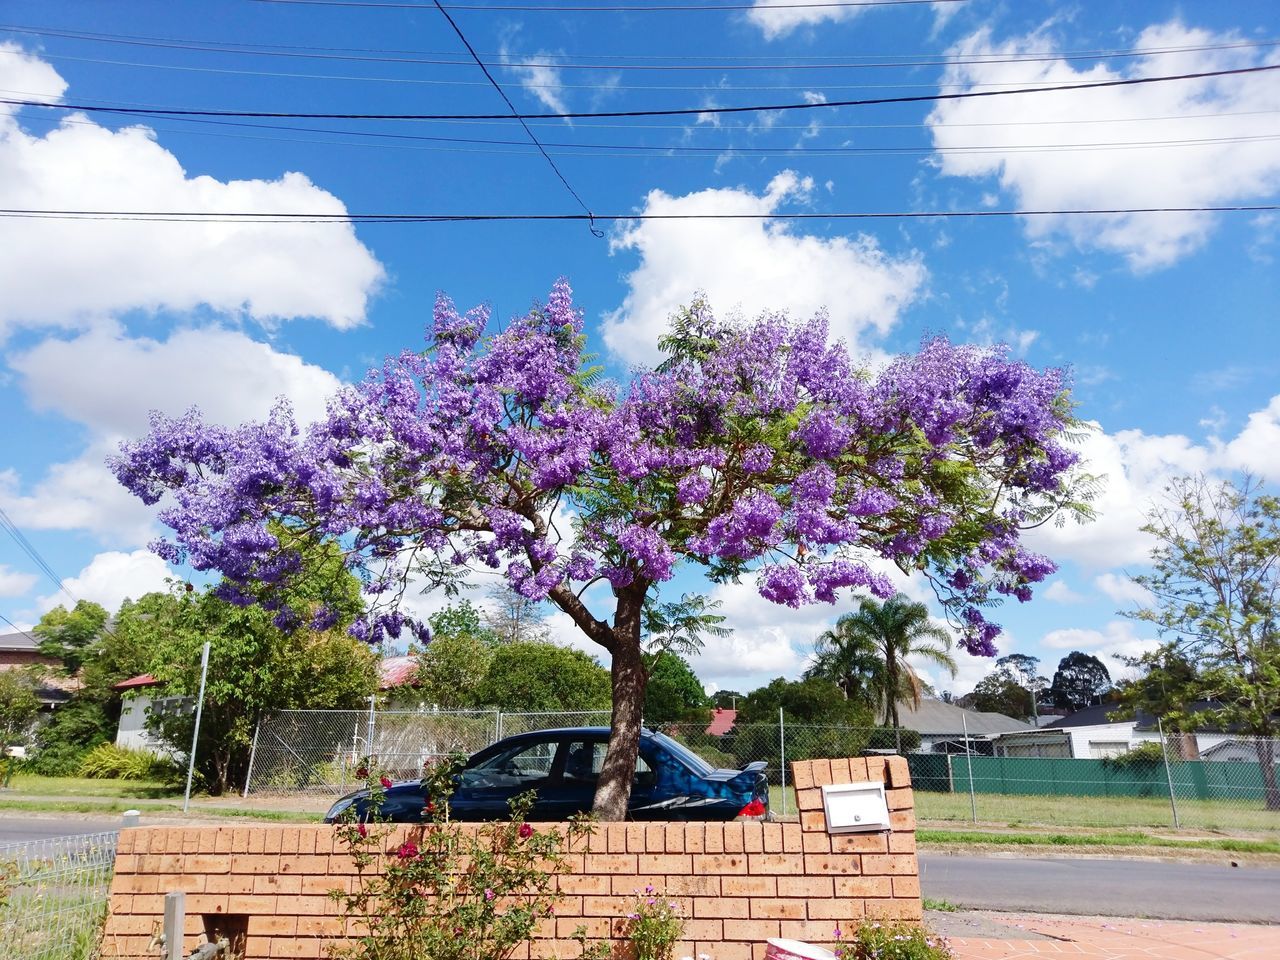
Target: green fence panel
929	771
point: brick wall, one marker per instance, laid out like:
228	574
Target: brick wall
739	883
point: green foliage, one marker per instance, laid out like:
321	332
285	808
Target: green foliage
68	634
679	626
1143	756
460	619
446	894
653	925
674	691
872	940
110	762
867	653
1080	680
542	676
999	692
812	700
452	668
19	708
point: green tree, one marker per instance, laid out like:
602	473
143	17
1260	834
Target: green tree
674	691
1080	681
68	635
813	700
543	676
867	652
452	668
1000	692
19	708
461	618
1215	589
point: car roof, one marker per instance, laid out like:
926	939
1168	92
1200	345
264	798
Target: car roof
553	732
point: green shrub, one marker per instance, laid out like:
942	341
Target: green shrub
110	762
872	940
56	760
1145	755
653	925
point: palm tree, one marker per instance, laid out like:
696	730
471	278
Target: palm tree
866	652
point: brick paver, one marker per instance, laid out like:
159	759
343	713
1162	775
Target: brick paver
1107	938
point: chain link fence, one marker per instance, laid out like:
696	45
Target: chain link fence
53	896
1212	782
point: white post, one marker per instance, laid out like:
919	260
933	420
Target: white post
175	921
968	759
369	727
253	752
782	752
195	734
1168	774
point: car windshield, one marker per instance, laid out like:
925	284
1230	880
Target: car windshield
686	756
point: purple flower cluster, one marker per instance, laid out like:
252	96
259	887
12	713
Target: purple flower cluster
765	450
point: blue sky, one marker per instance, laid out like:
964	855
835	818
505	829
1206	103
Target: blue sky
1168	320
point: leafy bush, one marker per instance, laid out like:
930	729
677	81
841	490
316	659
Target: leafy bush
110	762
56	760
449	894
1145	755
891	941
653	925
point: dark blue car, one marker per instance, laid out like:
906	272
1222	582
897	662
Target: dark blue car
562	767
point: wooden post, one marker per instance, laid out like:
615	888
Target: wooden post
175	921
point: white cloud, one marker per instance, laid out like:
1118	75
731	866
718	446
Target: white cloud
1005	131
1059	592
1122	590
776	18
228	375
15	583
1257	447
1117	640
112	577
752	265
538	77
59	272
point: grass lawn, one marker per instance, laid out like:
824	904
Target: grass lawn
28	785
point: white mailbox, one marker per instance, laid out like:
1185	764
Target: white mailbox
855	807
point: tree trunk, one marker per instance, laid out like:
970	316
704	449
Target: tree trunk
1266	750
613	791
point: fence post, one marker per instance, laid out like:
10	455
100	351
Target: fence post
782	754
968	759
369	727
897	736
175	921
253	752
195	735
1168	774
497	725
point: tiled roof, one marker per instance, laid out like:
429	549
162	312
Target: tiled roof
145	680
721	722
397	672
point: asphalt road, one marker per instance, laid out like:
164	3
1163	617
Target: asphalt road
1121	888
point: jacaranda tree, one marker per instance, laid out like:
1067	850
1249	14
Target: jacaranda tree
756	449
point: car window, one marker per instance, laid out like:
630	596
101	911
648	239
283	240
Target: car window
684	754
584	758
519	765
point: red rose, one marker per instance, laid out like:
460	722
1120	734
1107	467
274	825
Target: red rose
408	850
362	830
385	781
362	773
525	831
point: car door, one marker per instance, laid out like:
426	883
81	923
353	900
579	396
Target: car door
485	791
580	774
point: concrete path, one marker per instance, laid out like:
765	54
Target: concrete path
1097	938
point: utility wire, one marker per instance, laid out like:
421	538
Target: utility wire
27	547
200	216
516	113
659	62
613	8
682	111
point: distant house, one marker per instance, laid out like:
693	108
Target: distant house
19	651
722	722
1094	736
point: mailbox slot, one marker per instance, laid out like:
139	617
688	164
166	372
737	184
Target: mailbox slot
855	807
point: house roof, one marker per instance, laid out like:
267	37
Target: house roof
19	641
1088	717
721	722
936	716
397	672
133	683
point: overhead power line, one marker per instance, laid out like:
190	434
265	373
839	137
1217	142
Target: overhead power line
202	216
656	61
614	7
27	547
516	113
682	111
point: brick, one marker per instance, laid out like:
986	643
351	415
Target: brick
252	903
206	903
722	863
313	906
240	841
569	907
901	798
664	863
294	948
860	843
809	799
864	887
813	821
792	838
222	840
603	906
894	909
721	907
693	885
230	883
821	773
753	837
134	884
902	843
636	838
839	910
771	834
898	864
703	929
776	863
596	926
906	887
726	950
763	908
206	863
902	821
864	769
271	841
753	931
802	774
673	837
278	883
734	837
750	887
713	838
583	883
841	772
897	772
695	838
810	887
251	863
612	863
811	931
265	926
323	884
303	864
817	843
834	863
